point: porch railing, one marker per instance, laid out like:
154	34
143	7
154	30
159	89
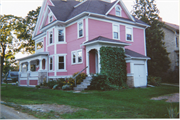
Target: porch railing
23	74
34	73
78	74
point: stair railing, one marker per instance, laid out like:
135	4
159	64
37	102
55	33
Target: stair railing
78	74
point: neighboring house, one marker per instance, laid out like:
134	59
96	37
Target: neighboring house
69	34
171	39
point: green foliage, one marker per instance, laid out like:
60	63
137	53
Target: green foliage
173	112
51	83
66	87
14	79
61	82
113	65
80	77
99	82
38	86
148	13
156	81
171	76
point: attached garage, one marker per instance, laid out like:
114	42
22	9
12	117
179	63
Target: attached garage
137	63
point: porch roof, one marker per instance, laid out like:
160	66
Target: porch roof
101	39
132	54
34	55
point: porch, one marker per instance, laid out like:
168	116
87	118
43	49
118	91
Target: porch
33	69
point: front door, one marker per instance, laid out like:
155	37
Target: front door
139	75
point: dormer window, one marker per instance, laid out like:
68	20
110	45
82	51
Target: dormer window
118	10
50	19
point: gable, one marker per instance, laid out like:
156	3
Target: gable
42	16
123	14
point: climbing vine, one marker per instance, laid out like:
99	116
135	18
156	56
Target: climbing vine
113	64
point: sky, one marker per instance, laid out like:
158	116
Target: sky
169	9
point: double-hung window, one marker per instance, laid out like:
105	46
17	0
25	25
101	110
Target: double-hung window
61	35
50	37
129	32
115	31
51	64
61	63
76	57
80	29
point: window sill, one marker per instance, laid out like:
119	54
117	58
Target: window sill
130	40
81	37
61	70
62	42
76	63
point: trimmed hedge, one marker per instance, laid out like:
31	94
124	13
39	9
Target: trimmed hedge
113	64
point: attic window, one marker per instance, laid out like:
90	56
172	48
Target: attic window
50	19
118	10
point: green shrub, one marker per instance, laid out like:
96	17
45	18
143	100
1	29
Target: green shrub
51	83
173	112
37	86
61	82
14	79
171	77
99	82
113	65
156	81
66	87
80	77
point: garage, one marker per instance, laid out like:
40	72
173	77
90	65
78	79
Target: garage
139	75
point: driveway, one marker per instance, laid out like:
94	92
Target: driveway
10	113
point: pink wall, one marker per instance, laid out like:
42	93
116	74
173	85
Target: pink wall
23	82
51	74
61	48
33	82
138	41
99	28
128	68
123	14
51	50
73	43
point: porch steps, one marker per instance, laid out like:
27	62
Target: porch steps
86	82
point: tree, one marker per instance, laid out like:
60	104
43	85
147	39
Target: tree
8	45
25	29
147	11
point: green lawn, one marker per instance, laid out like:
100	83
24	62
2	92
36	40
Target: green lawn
127	103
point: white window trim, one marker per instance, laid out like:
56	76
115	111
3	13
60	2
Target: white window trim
76	52
119	11
52	63
118	31
61	70
81	21
49	37
61	42
49	15
131	33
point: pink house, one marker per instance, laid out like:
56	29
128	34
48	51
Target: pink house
69	34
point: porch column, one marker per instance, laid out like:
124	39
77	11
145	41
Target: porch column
29	65
40	64
46	64
87	62
99	66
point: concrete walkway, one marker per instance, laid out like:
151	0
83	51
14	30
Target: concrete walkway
10	113
170	84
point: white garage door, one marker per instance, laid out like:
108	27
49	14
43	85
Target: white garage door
139	75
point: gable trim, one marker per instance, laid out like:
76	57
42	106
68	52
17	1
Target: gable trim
80	3
124	7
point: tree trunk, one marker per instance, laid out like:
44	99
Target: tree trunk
2	61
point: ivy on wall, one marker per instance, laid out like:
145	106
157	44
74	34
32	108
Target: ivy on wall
113	64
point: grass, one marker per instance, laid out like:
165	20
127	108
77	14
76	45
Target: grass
126	103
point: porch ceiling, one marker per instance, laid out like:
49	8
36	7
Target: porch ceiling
34	55
105	40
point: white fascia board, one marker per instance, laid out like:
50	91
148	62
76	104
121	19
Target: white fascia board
112	7
52	25
33	55
140	58
100	41
39	16
39	36
126	10
80	3
52	2
45	16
